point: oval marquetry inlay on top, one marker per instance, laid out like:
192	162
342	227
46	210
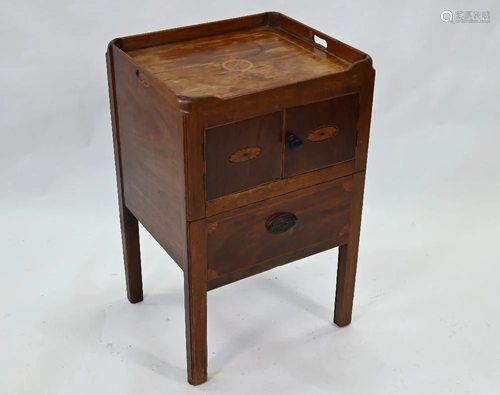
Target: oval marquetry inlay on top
321	134
245	154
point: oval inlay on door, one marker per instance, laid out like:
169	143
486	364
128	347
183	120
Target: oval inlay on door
245	154
321	134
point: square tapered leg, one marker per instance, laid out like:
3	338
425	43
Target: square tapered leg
131	254
348	257
195	302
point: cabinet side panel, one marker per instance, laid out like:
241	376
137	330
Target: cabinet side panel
152	155
365	115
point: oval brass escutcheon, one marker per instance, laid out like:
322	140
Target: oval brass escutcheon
245	154
321	134
281	223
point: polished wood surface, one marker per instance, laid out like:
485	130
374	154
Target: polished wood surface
128	222
272	263
348	257
328	130
225	149
242	240
277	188
195	302
201	119
236	63
152	158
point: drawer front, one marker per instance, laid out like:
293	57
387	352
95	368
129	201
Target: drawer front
327	130
243	154
278	226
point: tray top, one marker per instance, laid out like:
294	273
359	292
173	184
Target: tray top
235	64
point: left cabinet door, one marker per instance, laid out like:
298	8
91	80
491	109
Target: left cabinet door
243	154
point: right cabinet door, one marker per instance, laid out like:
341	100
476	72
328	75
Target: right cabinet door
320	134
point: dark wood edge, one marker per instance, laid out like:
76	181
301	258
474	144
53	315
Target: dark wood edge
334	46
214	110
270	18
356	206
251	115
348	256
195	302
294	193
364	119
207	128
114	123
283	144
194	157
272	263
278	188
191	32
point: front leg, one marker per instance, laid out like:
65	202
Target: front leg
195	304
348	257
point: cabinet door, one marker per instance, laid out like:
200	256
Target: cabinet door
321	134
243	155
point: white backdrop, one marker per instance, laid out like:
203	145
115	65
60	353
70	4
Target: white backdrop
427	305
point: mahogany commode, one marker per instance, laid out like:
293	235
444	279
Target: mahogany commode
240	145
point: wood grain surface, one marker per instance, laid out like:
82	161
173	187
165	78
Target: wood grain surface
348	257
236	63
277	188
195	303
226	170
241	239
302	121
128	222
152	156
201	115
